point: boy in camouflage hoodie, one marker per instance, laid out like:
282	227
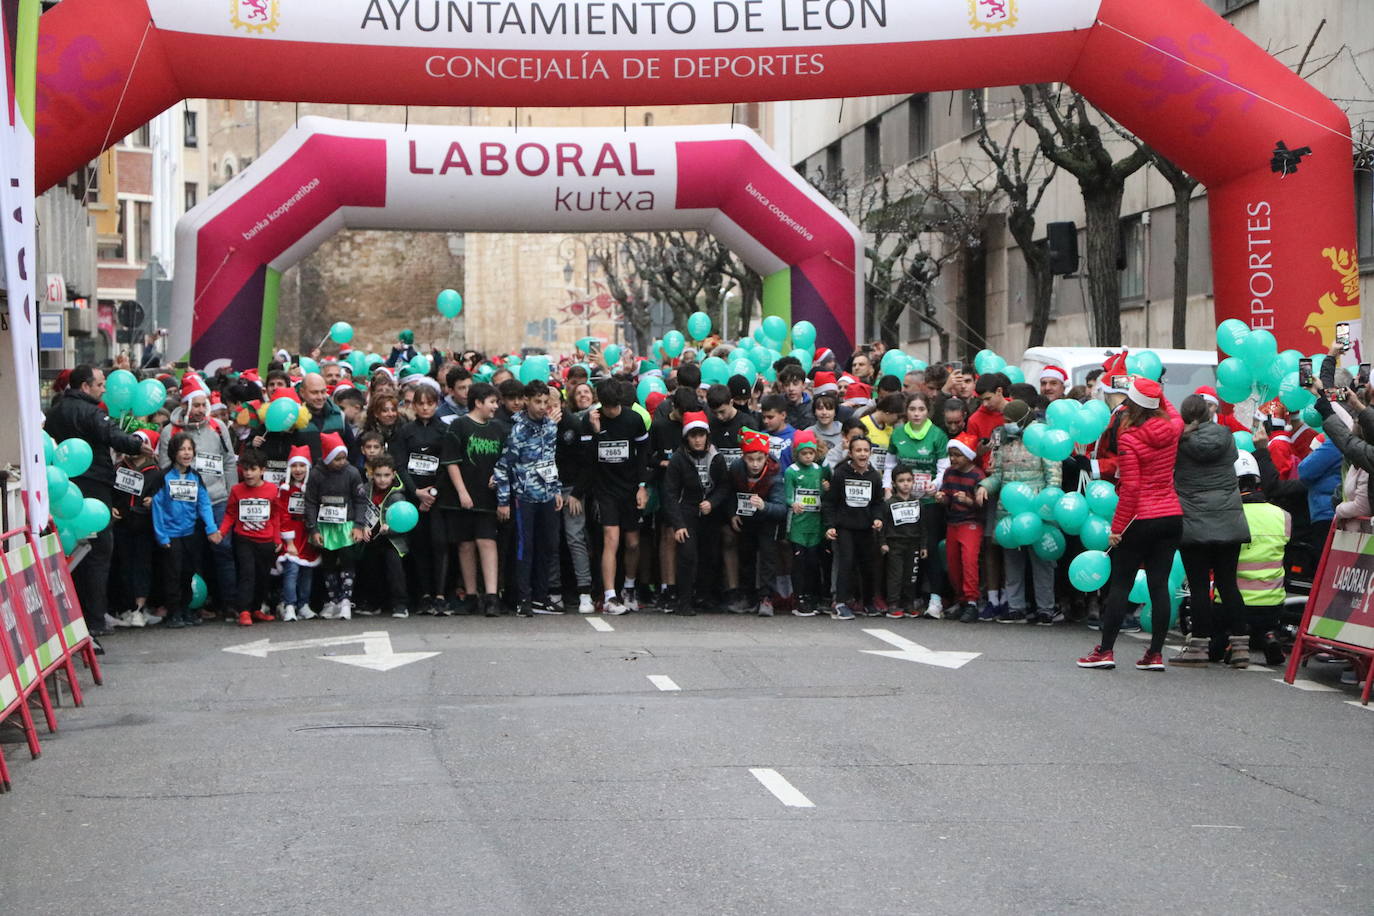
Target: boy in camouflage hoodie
527	478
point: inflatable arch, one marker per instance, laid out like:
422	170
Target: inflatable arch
1273	152
326	175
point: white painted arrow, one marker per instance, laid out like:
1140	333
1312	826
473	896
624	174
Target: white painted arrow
377	652
915	652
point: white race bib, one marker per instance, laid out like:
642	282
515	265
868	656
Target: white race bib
210	464
614	451
372	516
730	454
183	491
906	513
775	446
810	499
423	465
919	482
878	457
858	493
255	511
745	504
127	480
547	471
704	475
295	503
275	472
333	513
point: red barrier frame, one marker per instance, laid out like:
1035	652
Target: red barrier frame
27	724
62	661
86	644
1307	645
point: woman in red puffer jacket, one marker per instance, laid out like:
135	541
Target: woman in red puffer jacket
1148	524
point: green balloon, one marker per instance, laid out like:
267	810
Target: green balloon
803	357
74	457
648	385
69	540
1095	533
58	481
1004	535
1090	570
1018	498
1061	413
150	397
1244	441
746	369
746	343
611	354
419	365
69	504
1056	446
282	414
804	335
1149	364
341	332
357	361
1014	375
1293	396
1087	427
1140	589
1233	373
309	366
1034	438
1259	349
699	325
714	371
120	386
1231	333
1050	545
1233	395
449	303
94	516
401	517
1071	512
674	343
49	448
775	328
199	592
1026	527
1311	417
1046	500
1102	498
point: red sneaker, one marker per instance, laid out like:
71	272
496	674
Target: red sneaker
896	613
245	619
1098	659
261	617
1151	661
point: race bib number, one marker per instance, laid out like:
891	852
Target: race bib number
275	472
333	511
295	503
920	482
906	513
127	480
810	500
210	464
423	465
730	454
183	491
547	471
704	475
372	516
614	451
745	504
878	457
255	511
775	446
858	493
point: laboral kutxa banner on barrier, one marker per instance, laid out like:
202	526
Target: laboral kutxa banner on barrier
1343	602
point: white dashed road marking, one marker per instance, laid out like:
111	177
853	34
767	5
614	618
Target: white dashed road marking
600	625
785	792
1310	686
663	682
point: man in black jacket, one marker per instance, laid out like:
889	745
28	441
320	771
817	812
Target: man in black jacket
78	415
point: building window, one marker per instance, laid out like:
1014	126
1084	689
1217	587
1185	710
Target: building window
228	168
834	163
192	195
143	137
873	150
1132	259
918	125
190	136
143	241
648	119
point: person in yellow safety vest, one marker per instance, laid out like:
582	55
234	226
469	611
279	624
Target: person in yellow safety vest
1260	571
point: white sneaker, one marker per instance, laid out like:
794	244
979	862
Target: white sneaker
150	619
304	613
585	605
330	611
121	621
935	610
627	598
138	617
345	610
288	613
614	608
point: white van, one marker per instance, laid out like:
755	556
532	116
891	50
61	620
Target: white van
1185	371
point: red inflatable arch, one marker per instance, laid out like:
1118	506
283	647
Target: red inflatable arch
1273	152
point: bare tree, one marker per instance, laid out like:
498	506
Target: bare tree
1023	176
1183	185
1071	138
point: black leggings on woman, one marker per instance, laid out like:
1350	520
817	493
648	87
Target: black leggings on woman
1148	543
1205	564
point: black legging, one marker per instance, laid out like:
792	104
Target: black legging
1205	564
1149	543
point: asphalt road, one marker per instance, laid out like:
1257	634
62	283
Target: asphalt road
533	766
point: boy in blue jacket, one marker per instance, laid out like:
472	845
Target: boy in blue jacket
181	504
528	487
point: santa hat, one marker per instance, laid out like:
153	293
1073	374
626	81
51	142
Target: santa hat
347	368
1146	393
216	403
654	399
343	386
696	420
417	380
331	446
857	395
301	454
288	392
149	436
823	354
1056	373
824	383
1114	365
804	439
1209	394
751	441
964	444
845	380
193	386
283	357
251	375
385	371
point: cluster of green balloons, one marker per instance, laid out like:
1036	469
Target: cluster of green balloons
1254	366
897	363
1040	520
126	395
987	361
78	516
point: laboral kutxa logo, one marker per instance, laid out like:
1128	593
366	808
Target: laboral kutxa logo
255	15
992	15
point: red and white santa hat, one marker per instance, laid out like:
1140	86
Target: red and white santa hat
216	403
1209	394
822	354
965	445
149	436
301	454
288	392
857	395
845	380
386	371
1114	365
1055	373
193	386
825	383
1145	392
695	420
331	446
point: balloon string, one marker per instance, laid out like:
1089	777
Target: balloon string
1221	79
125	91
211	282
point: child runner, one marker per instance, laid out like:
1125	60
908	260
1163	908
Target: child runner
851	510
829	432
334	513
923	448
254	516
963	523
802	494
300	557
759	511
181	504
902	541
471	449
528	487
137	478
415	449
694	493
618	440
384	550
